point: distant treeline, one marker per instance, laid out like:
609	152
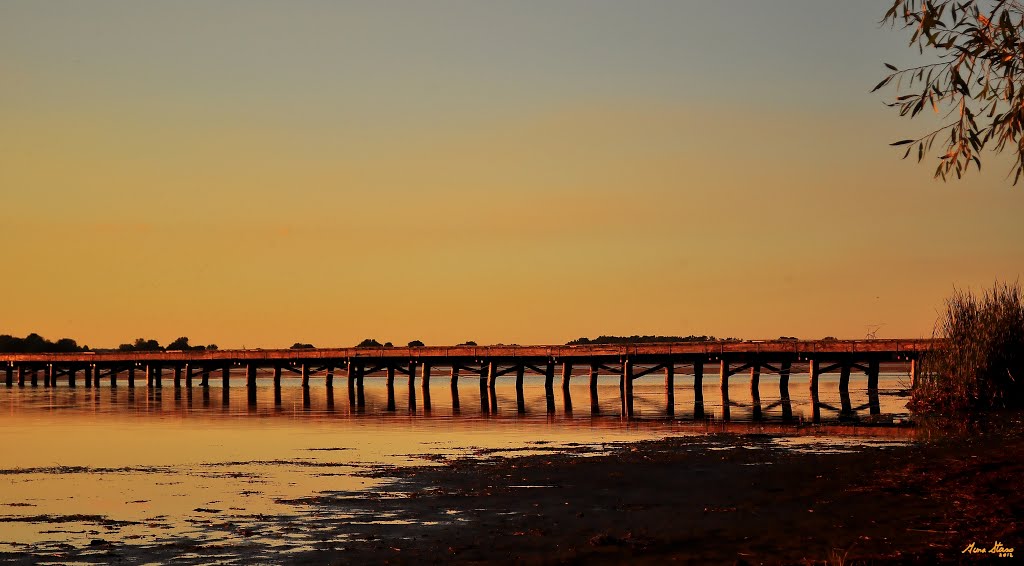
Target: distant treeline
646	339
36	344
150	345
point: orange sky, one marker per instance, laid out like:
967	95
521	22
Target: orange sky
500	174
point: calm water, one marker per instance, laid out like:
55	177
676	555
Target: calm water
170	470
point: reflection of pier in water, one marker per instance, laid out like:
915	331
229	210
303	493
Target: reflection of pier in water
190	369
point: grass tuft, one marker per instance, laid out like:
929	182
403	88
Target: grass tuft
980	365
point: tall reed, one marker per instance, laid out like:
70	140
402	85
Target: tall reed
980	364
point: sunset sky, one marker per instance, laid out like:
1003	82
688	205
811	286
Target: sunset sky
260	173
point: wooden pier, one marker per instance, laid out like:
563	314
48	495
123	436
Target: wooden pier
188	369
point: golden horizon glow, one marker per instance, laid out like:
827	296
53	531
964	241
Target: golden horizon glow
287	177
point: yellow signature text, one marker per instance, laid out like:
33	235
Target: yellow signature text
998	549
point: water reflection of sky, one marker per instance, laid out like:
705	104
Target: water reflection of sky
178	468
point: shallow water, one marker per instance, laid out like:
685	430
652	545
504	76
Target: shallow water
91	471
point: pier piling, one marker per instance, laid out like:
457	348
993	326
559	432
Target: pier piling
627	389
874	407
520	398
412	387
566	379
698	389
755	391
723	382
549	387
813	372
391	388
844	390
455	388
670	389
426	386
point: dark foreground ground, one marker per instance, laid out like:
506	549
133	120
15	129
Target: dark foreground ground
676	501
704	499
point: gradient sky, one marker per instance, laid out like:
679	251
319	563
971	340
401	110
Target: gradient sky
259	173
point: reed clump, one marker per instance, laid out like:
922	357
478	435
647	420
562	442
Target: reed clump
979	365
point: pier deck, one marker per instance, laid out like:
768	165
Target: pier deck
489	364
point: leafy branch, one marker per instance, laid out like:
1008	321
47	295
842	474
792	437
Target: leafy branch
979	47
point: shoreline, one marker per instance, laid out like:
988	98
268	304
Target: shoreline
743	494
723	499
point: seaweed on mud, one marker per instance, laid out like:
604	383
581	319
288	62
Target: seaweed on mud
78	518
86	470
282	462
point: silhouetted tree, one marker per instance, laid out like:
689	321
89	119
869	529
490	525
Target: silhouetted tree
302	346
369	343
36	344
468	343
141	345
179	344
416	344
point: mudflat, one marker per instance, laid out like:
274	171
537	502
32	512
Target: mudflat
723	499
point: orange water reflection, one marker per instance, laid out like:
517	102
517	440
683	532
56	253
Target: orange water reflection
153	468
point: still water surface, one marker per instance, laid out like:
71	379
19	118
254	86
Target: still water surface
193	473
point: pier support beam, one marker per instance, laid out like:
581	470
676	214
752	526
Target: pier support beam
787	406
670	388
49	377
177	377
915	372
21	376
329	378
627	388
755	391
360	392
874	407
9	376
391	388
250	376
426	387
484	398
566	379
595	402
350	380
305	375
412	387
131	376
225	378
846	409
71	376
520	398
698	390
814	372
455	389
549	386
204	381
87	370
723	382
113	377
